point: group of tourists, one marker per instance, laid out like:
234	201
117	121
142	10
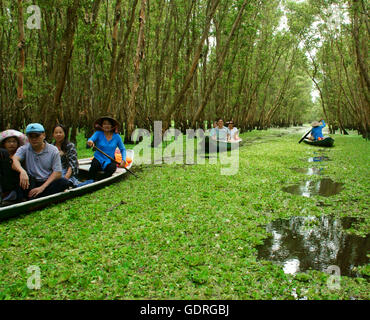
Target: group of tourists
231	134
31	168
221	133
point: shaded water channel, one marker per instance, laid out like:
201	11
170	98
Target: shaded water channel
324	187
318	159
303	243
308	171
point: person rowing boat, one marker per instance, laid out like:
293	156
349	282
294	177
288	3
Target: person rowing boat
316	132
107	139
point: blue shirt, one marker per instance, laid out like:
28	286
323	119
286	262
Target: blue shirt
109	147
317	131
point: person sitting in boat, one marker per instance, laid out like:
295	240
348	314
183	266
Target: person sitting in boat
213	130
316	133
10	141
68	154
233	132
107	139
221	133
44	168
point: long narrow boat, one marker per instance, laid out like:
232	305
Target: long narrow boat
326	142
210	145
84	166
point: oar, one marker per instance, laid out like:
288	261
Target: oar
305	136
96	148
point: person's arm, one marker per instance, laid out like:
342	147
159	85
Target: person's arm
68	173
56	174
36	191
72	161
323	123
122	149
24	180
214	135
92	139
236	135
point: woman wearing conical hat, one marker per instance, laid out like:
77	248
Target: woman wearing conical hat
107	139
316	133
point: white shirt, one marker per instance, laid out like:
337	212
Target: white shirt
221	134
233	132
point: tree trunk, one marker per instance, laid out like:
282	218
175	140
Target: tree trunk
131	110
220	65
54	110
180	96
21	63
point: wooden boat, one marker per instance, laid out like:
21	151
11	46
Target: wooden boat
326	142
210	145
84	166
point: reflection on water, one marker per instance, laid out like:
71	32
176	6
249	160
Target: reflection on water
303	243
318	159
291	266
325	187
308	171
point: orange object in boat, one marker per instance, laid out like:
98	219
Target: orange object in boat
118	158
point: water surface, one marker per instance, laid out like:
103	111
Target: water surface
303	243
324	187
308	171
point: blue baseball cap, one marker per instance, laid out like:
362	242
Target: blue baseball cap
35	128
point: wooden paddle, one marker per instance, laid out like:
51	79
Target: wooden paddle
305	136
96	148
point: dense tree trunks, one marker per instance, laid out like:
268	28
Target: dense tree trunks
220	65
53	111
113	68
131	109
212	4
21	64
203	59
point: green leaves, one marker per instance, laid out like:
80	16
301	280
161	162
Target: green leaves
185	232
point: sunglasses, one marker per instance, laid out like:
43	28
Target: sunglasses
33	135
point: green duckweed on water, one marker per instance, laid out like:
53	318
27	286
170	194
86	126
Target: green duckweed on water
188	232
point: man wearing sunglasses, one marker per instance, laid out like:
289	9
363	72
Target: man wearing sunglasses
44	169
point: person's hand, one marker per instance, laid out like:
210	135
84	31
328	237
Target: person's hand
24	181
35	192
91	144
122	164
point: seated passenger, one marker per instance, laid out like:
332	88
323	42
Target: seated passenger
44	169
10	141
221	133
316	133
68	154
213	130
233	132
107	139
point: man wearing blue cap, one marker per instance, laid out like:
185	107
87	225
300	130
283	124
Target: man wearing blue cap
44	169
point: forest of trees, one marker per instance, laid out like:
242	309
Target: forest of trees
185	62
